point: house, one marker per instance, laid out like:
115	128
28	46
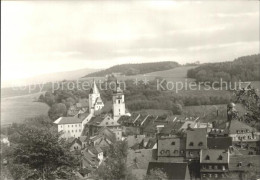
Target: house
76	144
244	166
96	150
138	160
89	160
171	149
70	126
239	131
196	140
173	171
214	163
219	142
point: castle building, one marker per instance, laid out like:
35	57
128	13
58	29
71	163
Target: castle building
95	101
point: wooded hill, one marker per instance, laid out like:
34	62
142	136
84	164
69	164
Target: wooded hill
246	68
134	69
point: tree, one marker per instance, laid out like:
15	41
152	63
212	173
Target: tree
57	110
39	153
113	166
251	101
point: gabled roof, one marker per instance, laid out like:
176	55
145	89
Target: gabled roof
174	171
219	142
68	120
216	156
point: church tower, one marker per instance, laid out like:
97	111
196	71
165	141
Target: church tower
118	102
95	101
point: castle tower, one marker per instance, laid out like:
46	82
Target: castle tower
95	101
118	102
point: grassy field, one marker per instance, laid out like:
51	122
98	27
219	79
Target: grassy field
17	109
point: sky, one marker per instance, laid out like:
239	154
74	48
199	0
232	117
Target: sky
41	37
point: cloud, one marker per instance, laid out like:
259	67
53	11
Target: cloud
63	35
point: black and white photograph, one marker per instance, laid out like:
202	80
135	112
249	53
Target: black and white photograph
130	90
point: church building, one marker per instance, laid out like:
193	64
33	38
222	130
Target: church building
95	101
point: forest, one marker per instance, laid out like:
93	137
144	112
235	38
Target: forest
137	97
246	68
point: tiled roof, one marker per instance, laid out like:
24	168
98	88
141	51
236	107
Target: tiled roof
171	128
196	138
174	171
219	142
68	120
135	139
96	120
214	156
139	159
245	163
236	125
171	146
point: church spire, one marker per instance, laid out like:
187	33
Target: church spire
94	89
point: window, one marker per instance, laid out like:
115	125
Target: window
216	175
173	143
216	167
191	144
200	143
223	168
68	131
61	126
176	151
210	167
79	130
106	123
220	157
239	164
71	125
204	175
71	130
68	125
75	130
207	157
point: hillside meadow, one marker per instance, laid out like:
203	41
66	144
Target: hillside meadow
17	109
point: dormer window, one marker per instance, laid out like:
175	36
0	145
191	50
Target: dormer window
191	144
200	143
220	157
207	157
